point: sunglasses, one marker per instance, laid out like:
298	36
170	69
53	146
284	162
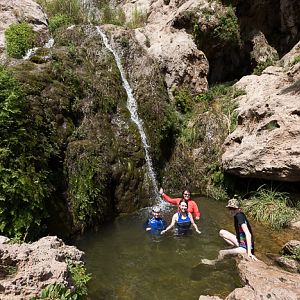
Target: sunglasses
186	194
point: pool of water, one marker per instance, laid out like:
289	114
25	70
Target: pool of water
128	263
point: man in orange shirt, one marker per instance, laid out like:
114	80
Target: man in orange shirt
186	195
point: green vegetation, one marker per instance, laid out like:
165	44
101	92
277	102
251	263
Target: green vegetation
271	207
80	278
24	155
296	60
206	120
19	37
69	11
138	19
111	15
183	101
261	66
225	32
57	21
56	291
59	291
227	29
295	254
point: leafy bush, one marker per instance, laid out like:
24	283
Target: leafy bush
183	101
227	29
19	37
271	207
58	21
261	66
24	155
80	278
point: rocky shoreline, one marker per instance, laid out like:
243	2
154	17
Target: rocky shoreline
28	268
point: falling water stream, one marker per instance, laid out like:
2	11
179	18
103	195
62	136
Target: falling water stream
133	109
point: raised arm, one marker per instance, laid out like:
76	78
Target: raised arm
193	223
174	219
167	198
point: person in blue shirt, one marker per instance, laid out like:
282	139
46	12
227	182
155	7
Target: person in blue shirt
155	224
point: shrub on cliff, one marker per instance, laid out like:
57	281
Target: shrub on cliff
19	38
24	154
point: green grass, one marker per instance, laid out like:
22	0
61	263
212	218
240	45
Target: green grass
270	207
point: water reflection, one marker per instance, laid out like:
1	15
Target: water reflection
128	263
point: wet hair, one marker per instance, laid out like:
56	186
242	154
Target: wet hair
187	190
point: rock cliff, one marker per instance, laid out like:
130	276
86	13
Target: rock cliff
266	143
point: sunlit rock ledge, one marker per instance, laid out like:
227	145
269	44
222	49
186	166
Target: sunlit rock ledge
263	282
27	268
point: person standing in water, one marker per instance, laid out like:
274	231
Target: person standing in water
183	220
186	195
155	224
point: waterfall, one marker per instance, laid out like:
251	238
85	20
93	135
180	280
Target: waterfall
132	107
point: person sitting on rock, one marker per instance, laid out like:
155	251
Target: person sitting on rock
243	240
155	224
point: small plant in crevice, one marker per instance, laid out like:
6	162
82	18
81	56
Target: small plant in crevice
261	66
296	60
111	15
295	254
19	38
270	207
138	19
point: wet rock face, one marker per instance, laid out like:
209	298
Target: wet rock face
27	268
15	11
266	143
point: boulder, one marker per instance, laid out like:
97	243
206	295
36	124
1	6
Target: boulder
27	268
266	142
265	282
183	65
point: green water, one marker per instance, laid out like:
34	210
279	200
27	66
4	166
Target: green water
127	263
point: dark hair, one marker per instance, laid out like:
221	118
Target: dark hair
182	200
187	190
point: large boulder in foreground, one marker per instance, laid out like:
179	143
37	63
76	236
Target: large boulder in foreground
264	282
27	268
266	142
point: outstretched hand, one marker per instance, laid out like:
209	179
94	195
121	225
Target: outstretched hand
163	231
252	257
198	231
161	191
